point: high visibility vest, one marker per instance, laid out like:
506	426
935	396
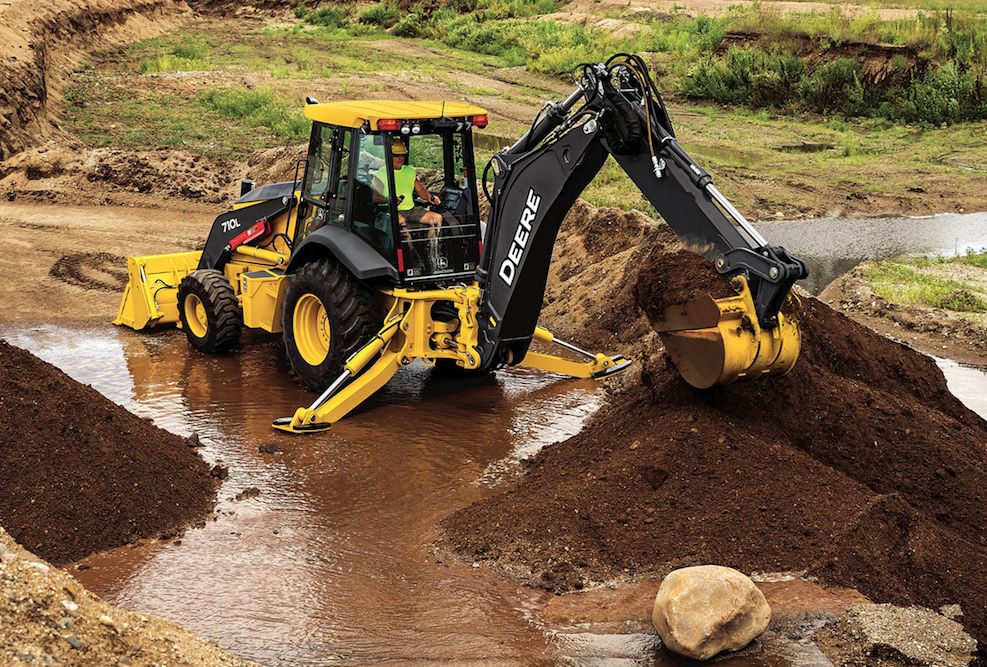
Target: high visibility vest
404	184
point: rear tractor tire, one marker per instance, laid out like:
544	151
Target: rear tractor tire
328	315
211	315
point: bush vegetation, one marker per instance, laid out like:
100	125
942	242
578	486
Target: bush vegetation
947	84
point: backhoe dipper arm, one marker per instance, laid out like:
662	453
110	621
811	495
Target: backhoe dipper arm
538	179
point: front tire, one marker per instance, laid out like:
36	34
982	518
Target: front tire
328	315
211	315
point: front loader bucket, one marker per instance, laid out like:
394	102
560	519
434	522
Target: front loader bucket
151	295
717	341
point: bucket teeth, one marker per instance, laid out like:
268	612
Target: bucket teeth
718	341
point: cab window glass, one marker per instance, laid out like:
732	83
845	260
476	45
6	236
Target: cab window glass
371	210
326	172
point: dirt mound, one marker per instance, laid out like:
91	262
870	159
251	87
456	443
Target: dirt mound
48	618
595	313
278	164
39	42
66	172
81	474
858	464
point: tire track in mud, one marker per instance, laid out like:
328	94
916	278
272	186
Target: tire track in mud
100	271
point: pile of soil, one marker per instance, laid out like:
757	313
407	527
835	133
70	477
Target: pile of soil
67	171
80	474
858	466
48	618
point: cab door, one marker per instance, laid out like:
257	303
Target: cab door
325	193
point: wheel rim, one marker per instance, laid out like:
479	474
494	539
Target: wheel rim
311	329
195	316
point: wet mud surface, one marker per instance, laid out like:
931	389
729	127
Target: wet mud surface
320	550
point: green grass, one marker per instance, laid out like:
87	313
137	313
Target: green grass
912	282
747	150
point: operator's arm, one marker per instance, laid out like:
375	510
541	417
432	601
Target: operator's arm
378	187
423	193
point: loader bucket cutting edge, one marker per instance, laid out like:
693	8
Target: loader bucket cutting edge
718	341
150	296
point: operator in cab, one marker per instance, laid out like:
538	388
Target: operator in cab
406	184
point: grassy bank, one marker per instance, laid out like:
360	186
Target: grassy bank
230	88
928	68
958	284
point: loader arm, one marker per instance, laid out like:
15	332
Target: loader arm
538	179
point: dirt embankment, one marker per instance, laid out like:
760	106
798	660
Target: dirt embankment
47	618
40	42
859	466
932	330
80	474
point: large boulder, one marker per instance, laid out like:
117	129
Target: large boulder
701	611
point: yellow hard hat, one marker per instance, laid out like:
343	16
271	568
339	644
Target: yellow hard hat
398	147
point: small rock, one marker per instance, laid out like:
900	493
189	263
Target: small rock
249	492
270	448
193	441
70	606
220	471
107	621
701	611
73	641
40	567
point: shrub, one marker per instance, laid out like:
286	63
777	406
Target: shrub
329	16
384	14
407	27
834	86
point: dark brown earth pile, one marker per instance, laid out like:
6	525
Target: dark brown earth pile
858	466
79	474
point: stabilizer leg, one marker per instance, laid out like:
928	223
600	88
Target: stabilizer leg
597	365
342	397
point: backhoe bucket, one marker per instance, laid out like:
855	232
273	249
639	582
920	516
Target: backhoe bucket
718	341
151	295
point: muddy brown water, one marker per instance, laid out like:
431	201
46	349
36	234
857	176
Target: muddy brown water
331	562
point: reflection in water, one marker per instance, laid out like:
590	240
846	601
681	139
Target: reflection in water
833	247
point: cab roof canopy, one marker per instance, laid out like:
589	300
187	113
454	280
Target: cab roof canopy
354	113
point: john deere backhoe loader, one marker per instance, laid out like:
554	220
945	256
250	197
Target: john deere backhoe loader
358	290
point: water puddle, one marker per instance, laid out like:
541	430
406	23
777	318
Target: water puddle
967	383
332	561
831	247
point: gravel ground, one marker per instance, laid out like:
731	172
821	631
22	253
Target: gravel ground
884	635
48	618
